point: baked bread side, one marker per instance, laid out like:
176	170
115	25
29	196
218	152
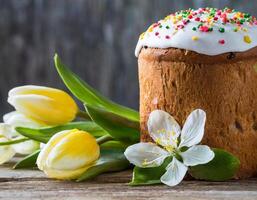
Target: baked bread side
225	86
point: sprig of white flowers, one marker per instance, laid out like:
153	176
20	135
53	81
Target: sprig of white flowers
170	141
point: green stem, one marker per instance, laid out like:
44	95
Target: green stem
13	142
83	114
104	139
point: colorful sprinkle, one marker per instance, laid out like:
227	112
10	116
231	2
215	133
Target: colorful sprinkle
222	30
247	39
206	20
222	41
195	38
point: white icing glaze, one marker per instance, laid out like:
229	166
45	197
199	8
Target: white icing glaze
208	43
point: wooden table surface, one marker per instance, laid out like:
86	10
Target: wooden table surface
32	184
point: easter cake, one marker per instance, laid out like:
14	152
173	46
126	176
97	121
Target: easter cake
204	58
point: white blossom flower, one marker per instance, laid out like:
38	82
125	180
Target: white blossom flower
173	142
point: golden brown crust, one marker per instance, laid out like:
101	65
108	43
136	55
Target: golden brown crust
225	89
181	55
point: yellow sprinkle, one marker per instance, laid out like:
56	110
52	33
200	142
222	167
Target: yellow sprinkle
245	29
247	39
195	38
167	18
142	36
150	29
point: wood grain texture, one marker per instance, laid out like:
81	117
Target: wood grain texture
32	184
96	38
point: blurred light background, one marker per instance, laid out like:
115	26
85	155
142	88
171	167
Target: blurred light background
96	38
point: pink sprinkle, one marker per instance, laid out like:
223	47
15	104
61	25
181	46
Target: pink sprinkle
180	26
215	18
167	37
197	19
222	41
156	24
204	28
219	12
184	22
157	33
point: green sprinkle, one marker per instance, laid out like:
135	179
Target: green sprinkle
222	30
247	15
242	21
160	26
194	28
167	27
210	29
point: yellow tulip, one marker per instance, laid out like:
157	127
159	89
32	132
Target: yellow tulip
46	105
68	154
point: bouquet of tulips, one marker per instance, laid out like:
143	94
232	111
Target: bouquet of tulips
71	144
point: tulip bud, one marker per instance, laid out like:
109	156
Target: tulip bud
46	105
68	154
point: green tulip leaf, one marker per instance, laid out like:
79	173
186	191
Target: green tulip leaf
28	162
223	167
118	127
149	176
14	141
44	134
88	95
111	160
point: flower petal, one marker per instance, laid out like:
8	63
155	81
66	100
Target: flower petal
6	152
7	131
145	155
26	147
196	155
17	119
163	128
193	130
175	173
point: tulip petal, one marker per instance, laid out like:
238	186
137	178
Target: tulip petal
47	148
66	174
175	173
26	148
145	155
6	152
16	119
44	109
193	130
196	155
163	128
7	131
34	89
75	150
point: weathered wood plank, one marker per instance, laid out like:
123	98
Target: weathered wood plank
32	184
